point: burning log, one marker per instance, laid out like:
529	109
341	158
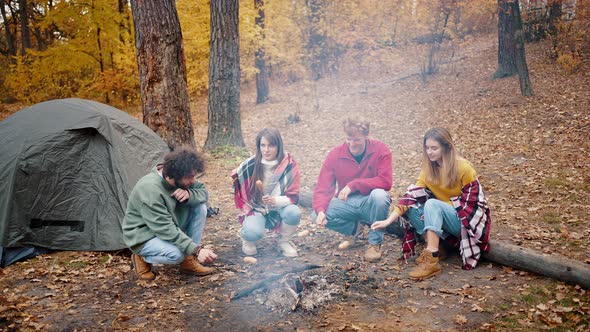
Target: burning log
264	283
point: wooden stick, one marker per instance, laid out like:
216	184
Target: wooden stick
264	283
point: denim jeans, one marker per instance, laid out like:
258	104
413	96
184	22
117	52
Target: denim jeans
158	251
253	226
436	216
342	216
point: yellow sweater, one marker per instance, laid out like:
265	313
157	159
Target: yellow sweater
440	191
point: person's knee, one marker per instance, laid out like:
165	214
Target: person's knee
292	215
250	233
431	205
174	256
201	210
380	196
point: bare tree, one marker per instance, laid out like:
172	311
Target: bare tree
260	62
224	76
162	71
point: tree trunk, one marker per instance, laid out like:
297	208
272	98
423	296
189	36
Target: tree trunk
506	39
10	39
552	266
316	44
24	26
555	13
526	89
162	71
224	76
260	62
511	52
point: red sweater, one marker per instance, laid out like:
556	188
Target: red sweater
340	169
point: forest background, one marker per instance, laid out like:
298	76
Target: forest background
58	49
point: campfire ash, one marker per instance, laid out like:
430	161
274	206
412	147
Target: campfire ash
299	291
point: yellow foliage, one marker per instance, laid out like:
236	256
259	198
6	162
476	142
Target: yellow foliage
92	53
568	61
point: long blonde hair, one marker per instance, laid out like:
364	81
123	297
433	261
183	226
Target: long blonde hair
449	168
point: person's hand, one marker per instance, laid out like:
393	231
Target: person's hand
384	223
181	195
269	200
377	225
343	194
206	256
321	219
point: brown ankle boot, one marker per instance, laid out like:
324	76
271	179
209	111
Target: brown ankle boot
373	253
420	259
191	266
143	269
428	267
442	254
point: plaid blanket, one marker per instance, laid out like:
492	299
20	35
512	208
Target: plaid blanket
284	182
473	212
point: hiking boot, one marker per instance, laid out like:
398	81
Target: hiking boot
428	267
143	269
285	246
420	259
373	253
442	254
249	248
351	240
191	266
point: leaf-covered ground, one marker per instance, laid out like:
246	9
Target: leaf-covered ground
532	155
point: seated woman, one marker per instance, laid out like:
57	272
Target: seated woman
266	189
446	200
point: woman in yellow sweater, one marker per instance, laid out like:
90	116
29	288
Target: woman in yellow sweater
446	200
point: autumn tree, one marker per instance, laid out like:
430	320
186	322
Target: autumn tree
162	71
224	76
260	62
511	52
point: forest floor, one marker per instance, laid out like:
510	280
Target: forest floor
532	156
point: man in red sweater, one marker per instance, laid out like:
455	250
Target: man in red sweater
353	186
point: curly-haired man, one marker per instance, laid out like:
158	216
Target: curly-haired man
166	215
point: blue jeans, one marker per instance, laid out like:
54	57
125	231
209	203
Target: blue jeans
157	251
436	216
253	226
342	216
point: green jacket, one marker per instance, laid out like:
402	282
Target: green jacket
152	212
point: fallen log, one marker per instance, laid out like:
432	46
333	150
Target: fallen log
267	281
552	266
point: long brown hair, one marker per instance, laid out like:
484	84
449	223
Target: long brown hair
448	169
273	136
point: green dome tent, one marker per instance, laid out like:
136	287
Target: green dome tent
67	167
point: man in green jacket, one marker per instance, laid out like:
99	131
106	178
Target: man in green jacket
166	215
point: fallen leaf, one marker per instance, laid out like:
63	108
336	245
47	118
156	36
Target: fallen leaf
460	319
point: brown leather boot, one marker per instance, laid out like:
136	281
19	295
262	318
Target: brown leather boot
191	266
143	269
428	267
442	254
373	253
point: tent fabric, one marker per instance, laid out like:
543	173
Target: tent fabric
67	167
